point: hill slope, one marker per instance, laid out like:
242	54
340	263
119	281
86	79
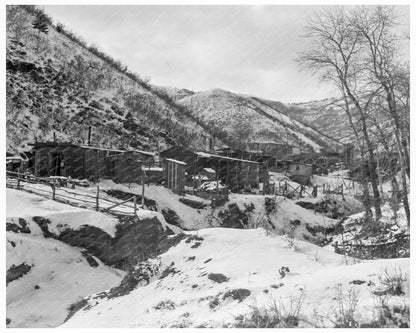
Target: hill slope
45	275
199	287
243	115
56	84
326	115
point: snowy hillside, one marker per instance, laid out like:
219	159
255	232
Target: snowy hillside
59	275
45	275
328	116
261	122
218	277
54	84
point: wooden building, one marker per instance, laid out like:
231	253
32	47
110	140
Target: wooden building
124	168
182	154
175	175
300	169
271	148
301	172
86	162
237	173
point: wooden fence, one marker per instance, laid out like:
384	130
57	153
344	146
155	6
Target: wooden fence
286	189
57	190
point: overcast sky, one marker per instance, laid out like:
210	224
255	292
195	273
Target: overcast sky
244	49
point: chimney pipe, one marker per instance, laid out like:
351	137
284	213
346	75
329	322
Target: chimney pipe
89	135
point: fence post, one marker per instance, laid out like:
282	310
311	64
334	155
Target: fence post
53	189
97	207
135	204
143	192
18	181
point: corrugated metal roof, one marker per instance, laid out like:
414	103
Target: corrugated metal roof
207	155
70	144
175	161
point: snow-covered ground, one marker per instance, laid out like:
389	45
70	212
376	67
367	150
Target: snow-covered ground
25	205
62	214
278	221
249	260
59	276
186	296
353	225
165	199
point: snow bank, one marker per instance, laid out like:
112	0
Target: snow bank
248	259
148	214
59	276
286	216
193	219
165	199
26	205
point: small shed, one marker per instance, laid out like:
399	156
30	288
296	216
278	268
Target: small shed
300	169
301	172
183	154
14	162
175	175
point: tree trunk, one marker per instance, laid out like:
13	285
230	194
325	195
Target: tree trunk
402	148
371	159
367	202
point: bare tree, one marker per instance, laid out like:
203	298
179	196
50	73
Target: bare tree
381	50
335	55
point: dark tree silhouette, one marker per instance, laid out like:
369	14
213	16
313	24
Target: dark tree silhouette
41	22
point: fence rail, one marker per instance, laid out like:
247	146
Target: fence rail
58	192
286	189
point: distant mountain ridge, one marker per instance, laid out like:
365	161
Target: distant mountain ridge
267	121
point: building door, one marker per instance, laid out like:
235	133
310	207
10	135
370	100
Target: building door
56	164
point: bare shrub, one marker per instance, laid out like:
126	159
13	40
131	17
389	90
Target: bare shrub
393	278
390	314
289	237
276	314
345	311
238	294
165	305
